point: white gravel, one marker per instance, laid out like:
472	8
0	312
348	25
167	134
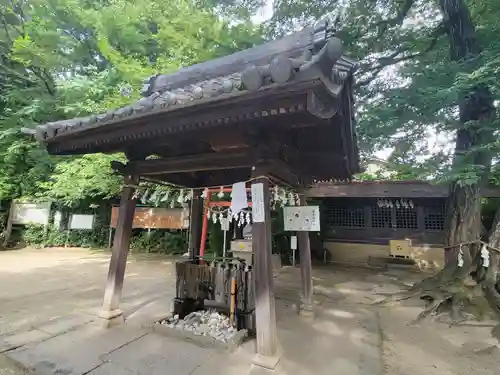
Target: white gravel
203	323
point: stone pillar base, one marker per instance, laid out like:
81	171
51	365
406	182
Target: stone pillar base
306	311
111	318
266	361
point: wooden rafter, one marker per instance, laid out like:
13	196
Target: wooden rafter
193	163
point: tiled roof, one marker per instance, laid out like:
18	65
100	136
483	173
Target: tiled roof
162	96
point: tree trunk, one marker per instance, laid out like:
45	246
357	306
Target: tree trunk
461	285
476	108
494	241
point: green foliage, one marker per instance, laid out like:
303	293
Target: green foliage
74	180
68	58
215	241
39	236
408	88
159	241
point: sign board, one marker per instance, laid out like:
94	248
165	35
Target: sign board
258	212
156	218
81	222
30	213
301	218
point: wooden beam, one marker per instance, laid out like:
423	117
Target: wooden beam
265	313
306	306
193	163
387	189
281	173
195	224
114	285
239	106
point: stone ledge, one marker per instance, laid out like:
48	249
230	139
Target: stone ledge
204	341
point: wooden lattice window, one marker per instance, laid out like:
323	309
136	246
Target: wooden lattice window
434	218
406	218
381	217
345	217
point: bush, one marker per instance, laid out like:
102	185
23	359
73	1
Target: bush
159	241
39	236
156	241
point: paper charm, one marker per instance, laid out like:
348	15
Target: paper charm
214	218
221	217
291	199
397	204
461	257
204	195
208	214
145	196
180	198
297	199
165	197
485	255
220	194
154	198
188	196
248	218
172	203
275	193
136	194
410	203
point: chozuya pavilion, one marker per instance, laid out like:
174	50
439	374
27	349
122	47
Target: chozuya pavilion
278	113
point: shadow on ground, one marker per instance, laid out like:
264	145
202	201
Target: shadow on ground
48	324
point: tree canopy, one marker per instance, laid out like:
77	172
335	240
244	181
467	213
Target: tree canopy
67	58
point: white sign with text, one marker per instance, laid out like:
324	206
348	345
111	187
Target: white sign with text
301	218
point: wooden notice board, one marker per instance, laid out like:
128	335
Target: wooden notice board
156	218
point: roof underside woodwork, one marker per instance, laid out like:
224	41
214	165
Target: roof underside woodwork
287	105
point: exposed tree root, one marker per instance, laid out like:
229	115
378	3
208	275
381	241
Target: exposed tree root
461	295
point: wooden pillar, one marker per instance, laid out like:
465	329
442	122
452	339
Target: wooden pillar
306	306
195	224
265	313
114	285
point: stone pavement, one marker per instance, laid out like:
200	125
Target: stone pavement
341	340
9	367
49	324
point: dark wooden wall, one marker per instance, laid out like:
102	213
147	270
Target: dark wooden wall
361	220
